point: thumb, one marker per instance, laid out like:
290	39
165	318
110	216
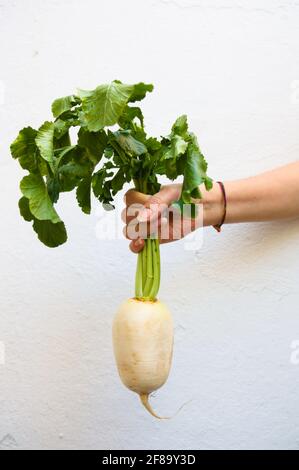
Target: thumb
159	202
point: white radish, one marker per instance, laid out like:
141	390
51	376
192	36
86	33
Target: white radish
143	343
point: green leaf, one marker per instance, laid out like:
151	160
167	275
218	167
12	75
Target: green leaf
106	196
62	141
153	145
25	210
126	120
83	194
180	127
139	91
33	188
127	154
60	128
68	179
53	188
76	165
108	152
104	105
50	234
74	169
173	150
195	173
118	181
178	146
101	186
93	142
178	139
98	180
44	141
63	154
24	149
61	105
62	125
129	144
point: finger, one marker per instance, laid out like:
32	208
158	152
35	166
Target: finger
137	245
135	229
159	202
135	197
130	213
134	201
132	232
124	215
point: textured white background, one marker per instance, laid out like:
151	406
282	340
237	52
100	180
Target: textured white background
232	67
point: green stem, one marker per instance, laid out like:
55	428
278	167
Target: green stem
156	275
144	264
158	265
138	278
147	280
149	268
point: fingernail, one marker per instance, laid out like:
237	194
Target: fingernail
144	215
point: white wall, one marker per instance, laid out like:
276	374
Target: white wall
232	66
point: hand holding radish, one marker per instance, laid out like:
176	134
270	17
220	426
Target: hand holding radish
158	208
101	160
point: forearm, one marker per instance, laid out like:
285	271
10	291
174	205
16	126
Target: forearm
269	196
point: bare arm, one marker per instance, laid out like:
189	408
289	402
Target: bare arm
269	196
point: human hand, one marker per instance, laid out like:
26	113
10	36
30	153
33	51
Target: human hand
145	215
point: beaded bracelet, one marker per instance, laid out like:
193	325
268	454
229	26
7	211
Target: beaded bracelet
218	226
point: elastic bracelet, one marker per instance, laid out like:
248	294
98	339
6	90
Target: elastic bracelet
218	226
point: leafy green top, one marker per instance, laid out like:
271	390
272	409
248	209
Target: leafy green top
102	160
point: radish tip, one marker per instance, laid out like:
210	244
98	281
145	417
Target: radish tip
146	404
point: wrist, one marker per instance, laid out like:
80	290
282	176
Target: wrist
213	205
